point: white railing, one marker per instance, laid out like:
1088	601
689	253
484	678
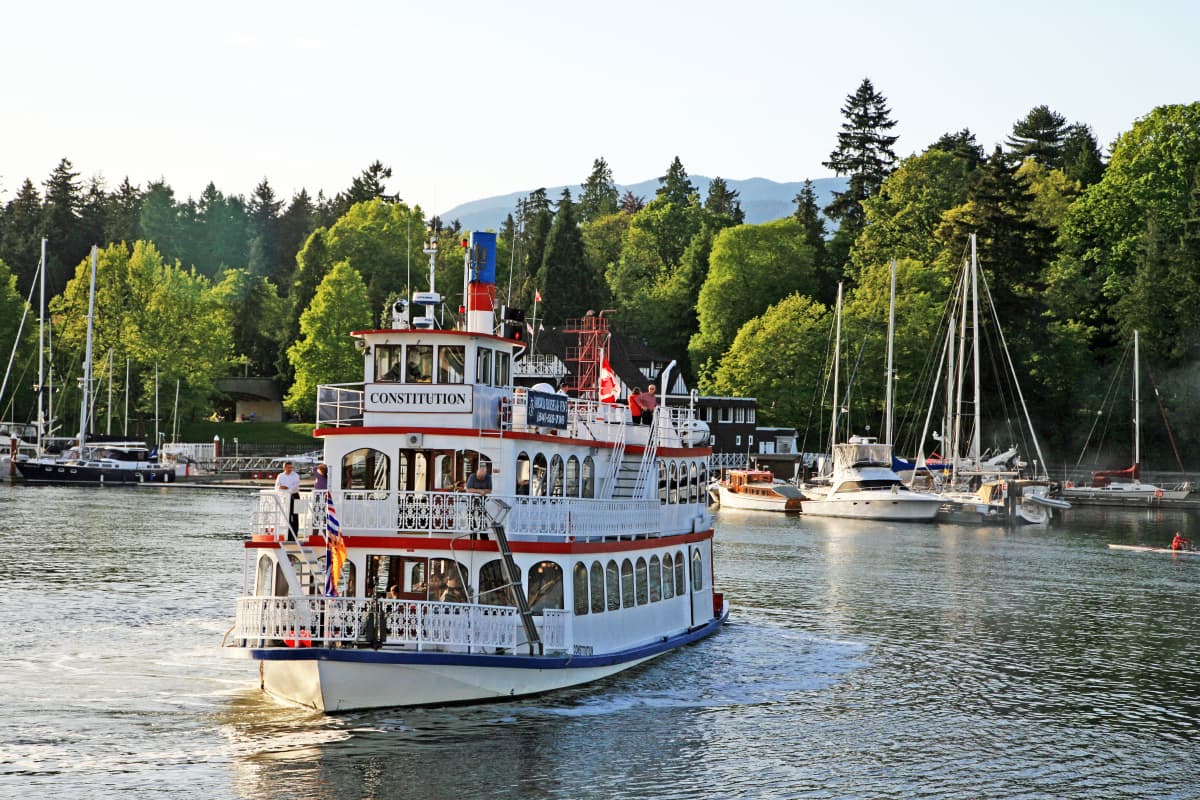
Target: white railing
423	625
340	405
362	511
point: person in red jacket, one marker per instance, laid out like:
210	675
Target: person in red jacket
634	408
1180	542
648	403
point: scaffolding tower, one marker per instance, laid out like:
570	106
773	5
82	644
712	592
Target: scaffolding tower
584	359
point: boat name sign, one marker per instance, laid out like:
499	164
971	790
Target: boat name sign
435	399
547	410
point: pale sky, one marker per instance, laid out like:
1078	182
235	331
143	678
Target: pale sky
465	100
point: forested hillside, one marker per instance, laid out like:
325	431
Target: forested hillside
1079	246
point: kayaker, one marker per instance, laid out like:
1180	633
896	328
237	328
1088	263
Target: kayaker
1180	542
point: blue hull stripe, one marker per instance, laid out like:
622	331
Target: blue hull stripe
368	656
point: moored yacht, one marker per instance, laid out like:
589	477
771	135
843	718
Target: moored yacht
756	490
863	486
478	541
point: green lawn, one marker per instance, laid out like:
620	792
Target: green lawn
289	433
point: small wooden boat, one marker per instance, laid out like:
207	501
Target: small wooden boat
757	490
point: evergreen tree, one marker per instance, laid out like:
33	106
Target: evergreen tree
600	195
20	244
223	232
673	217
1081	159
60	224
297	222
675	186
723	202
367	185
534	219
124	214
93	213
568	285
631	203
864	153
159	221
962	145
808	214
1038	135
266	252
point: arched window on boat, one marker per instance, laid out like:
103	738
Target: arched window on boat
697	571
627	590
389	364
573	477
348	584
365	468
522	474
655	580
556	476
694	490
452	360
597	579
703	480
680	573
404	471
662	482
264	580
545	586
588	487
538	485
668	574
420	364
448	581
579	585
494	589
612	584
673	484
422	471
643	594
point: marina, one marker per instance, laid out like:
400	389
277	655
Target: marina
862	659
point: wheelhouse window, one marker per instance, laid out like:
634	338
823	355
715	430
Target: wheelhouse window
452	359
503	368
579	585
365	468
420	363
597	580
389	362
494	589
483	365
545	586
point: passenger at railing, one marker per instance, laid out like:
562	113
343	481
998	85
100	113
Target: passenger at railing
321	478
648	402
393	592
480	481
635	410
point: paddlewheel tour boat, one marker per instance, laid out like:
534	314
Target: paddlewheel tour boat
583	548
756	490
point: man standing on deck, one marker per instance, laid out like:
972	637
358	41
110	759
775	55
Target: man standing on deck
288	481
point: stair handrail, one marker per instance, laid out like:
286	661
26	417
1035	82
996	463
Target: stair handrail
649	455
614	466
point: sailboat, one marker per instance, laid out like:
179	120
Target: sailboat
978	486
97	462
862	484
1128	486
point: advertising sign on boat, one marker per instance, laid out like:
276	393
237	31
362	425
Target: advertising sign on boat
430	398
547	410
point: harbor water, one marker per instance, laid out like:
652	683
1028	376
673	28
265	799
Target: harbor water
861	661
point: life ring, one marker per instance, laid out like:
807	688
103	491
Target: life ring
303	639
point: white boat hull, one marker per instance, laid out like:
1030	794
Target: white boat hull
749	502
1138	492
875	505
1160	550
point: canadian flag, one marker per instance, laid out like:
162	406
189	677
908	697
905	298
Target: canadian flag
608	381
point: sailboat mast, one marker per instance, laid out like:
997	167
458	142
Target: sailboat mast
87	357
41	427
977	435
887	395
959	377
837	349
1137	402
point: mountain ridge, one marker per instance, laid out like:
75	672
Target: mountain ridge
762	199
